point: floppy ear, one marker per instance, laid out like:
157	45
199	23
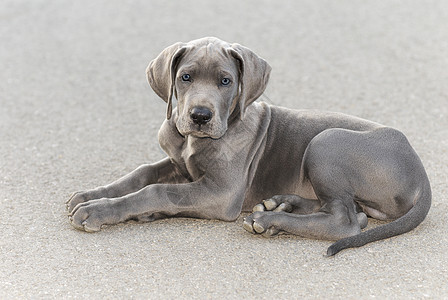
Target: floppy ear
254	75
161	73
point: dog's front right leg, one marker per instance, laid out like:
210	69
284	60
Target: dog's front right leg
161	172
194	199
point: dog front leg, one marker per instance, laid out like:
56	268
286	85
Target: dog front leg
161	172
194	199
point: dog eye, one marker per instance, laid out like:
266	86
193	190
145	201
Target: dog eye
225	81
186	77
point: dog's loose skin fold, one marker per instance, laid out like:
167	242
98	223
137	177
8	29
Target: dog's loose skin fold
311	173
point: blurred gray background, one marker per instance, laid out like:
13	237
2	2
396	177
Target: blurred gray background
76	112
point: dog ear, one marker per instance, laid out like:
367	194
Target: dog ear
254	75
161	73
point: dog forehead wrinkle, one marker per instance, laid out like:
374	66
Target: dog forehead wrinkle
209	55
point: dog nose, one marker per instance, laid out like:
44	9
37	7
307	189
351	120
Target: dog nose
201	115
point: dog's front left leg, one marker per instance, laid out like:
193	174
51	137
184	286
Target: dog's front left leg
161	172
194	199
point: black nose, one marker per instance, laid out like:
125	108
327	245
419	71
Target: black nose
201	115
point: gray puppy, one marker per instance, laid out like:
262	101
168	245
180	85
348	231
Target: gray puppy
321	174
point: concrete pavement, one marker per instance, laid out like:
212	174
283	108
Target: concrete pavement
76	112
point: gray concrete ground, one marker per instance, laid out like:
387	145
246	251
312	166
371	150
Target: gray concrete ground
76	112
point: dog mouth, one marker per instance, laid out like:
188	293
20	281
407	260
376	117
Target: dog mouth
200	131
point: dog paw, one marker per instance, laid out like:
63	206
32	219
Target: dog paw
261	223
273	204
75	199
91	215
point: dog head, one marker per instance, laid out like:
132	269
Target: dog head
211	80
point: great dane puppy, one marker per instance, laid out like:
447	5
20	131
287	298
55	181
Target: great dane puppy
309	173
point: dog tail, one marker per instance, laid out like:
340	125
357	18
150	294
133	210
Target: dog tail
401	225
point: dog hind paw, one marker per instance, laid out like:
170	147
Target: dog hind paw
273	204
255	224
